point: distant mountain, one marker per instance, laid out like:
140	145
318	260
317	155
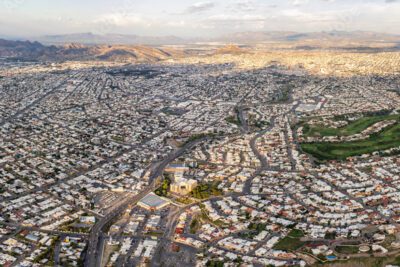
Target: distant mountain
251	37
255	37
286	36
354	35
231	49
25	50
117	47
90	38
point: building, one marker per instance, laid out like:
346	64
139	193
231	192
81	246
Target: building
183	186
153	202
176	168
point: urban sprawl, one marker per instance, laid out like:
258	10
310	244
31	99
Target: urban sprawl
194	163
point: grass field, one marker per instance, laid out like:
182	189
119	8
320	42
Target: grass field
347	249
386	139
354	127
291	241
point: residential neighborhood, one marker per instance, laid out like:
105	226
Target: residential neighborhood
178	164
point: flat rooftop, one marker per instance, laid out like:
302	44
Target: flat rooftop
153	201
306	107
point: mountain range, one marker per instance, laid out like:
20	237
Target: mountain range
133	48
27	50
240	37
260	37
90	38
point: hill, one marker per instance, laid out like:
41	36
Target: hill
250	37
230	49
25	50
127	39
286	36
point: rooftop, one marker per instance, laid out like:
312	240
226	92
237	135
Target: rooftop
153	201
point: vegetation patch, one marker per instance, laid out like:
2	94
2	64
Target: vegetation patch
184	200
213	263
347	249
48	253
118	138
206	190
261	124
194	226
253	230
352	128
396	261
385	139
204	218
283	95
291	241
154	233
233	120
163	190
257	227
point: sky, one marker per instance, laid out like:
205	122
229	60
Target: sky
194	18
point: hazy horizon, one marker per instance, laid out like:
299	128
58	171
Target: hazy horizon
187	19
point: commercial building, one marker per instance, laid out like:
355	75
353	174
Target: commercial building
153	202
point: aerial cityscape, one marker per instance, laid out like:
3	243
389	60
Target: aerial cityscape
200	133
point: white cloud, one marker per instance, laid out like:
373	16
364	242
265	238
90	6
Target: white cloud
302	16
299	2
236	22
211	17
199	7
244	5
121	19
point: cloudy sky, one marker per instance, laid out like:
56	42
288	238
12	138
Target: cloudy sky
190	18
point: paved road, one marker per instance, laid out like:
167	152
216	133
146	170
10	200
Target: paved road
57	250
253	144
157	172
243	120
95	250
38	229
34	103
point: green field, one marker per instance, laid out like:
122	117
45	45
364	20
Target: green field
386	139
354	127
347	249
291	241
